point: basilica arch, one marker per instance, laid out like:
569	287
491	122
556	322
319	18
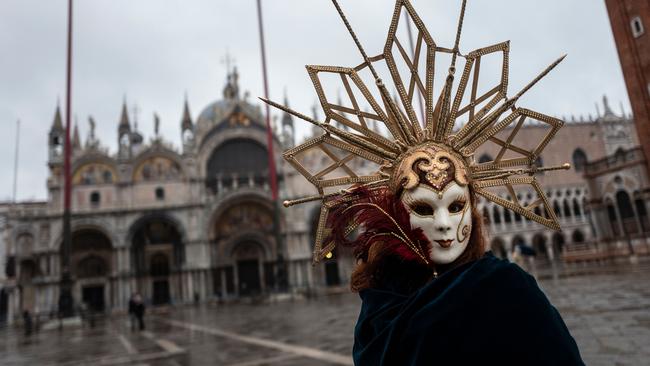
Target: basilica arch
541	248
157	256
91	265
243	248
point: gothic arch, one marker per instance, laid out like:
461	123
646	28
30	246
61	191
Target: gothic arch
170	165
496	214
558	242
213	142
91	168
98	225
540	245
579	158
234	198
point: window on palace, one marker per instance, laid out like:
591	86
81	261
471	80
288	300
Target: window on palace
556	209
485	158
95	198
10	267
160	194
506	216
579	160
643	213
567	209
496	214
576	207
637	27
624	205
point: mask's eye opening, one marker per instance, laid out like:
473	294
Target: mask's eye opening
457	206
422	209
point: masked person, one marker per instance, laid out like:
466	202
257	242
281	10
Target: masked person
431	295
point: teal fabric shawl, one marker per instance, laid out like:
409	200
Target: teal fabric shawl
488	312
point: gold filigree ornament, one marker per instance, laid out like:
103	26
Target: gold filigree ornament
386	131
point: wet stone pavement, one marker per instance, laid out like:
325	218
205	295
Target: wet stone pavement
607	311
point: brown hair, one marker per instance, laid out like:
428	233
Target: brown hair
373	272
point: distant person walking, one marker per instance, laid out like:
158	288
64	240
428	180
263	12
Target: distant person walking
27	318
136	312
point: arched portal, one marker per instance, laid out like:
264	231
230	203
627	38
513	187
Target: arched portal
237	163
578	237
248	257
539	244
158	255
90	264
243	254
518	241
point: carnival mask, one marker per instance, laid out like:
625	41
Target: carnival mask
444	217
436	194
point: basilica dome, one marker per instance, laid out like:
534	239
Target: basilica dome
231	111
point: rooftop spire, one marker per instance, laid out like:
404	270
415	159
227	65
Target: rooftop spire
186	120
76	141
57	124
125	125
124	118
608	109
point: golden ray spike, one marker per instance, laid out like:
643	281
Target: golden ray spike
444	122
488	121
289	203
349	137
356	41
404	129
539	77
500	173
408	93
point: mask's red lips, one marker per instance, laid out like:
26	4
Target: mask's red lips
444	243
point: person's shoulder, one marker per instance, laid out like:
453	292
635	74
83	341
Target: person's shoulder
505	274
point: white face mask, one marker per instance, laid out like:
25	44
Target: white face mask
445	219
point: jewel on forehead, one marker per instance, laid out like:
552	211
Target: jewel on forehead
433	162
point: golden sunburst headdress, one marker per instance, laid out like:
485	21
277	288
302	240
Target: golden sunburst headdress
382	130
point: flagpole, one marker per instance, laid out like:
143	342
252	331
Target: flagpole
66	300
281	272
16	161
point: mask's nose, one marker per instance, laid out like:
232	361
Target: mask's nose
442	224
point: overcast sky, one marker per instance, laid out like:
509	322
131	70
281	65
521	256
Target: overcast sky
155	51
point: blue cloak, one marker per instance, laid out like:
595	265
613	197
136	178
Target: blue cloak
487	312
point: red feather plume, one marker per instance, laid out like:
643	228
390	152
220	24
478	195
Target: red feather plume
382	219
